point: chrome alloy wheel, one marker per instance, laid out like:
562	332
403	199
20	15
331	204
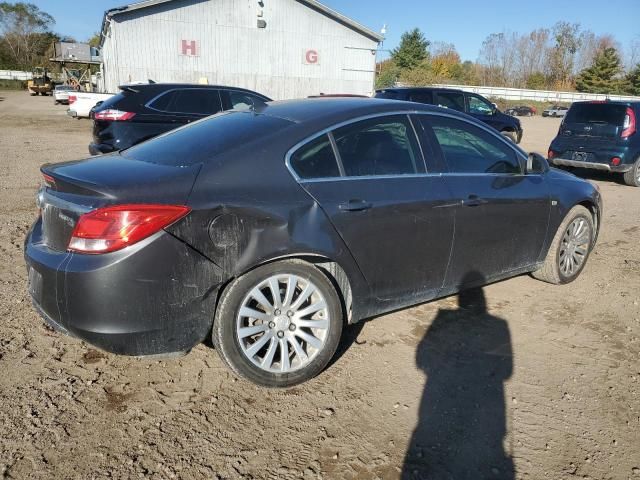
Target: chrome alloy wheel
283	323
574	247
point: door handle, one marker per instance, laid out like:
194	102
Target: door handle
355	205
473	201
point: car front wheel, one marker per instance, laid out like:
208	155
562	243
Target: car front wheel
278	325
570	248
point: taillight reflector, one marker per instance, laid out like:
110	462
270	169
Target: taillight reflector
551	154
49	180
113	115
72	99
615	161
629	125
112	228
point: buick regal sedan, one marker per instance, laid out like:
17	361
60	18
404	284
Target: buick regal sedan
270	230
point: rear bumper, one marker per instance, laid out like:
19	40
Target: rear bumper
592	165
72	113
155	297
100	148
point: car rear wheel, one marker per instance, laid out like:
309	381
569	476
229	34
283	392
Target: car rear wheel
570	248
632	177
278	325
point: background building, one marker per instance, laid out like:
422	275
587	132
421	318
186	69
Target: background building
281	48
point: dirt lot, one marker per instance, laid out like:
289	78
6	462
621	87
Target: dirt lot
543	384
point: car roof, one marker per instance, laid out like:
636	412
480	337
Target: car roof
335	109
418	89
140	87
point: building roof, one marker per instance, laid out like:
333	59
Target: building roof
313	4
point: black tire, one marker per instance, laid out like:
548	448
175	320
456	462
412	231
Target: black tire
510	135
550	271
227	343
632	177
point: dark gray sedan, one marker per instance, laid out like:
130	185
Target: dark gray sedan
271	229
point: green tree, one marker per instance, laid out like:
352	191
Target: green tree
387	74
412	50
633	81
536	81
603	75
94	41
25	34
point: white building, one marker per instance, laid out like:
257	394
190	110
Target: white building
280	48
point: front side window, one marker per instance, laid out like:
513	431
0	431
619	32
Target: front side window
470	149
454	100
479	106
315	160
379	146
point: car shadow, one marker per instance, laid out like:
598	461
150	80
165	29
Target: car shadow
589	174
467	356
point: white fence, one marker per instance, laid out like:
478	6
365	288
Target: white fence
538	95
14	75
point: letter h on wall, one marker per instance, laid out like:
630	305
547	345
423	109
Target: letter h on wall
189	48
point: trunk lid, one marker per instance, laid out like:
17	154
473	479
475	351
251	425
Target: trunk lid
74	188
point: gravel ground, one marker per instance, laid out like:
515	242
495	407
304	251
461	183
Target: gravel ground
543	382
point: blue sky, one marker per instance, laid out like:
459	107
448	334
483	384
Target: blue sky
465	23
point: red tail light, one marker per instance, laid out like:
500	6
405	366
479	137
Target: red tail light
112	228
629	125
551	154
112	115
49	180
615	161
72	99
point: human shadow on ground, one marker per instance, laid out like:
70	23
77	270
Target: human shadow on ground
467	356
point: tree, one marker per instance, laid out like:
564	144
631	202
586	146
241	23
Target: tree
94	41
603	75
633	81
25	35
387	74
412	50
562	57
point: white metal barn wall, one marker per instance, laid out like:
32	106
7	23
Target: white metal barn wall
301	51
15	75
538	95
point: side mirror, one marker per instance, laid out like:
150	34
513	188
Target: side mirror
494	108
536	163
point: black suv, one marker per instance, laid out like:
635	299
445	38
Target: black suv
475	105
140	112
601	136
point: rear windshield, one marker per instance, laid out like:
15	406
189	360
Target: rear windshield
202	140
111	102
596	113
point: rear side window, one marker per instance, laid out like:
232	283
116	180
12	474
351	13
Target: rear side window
470	149
596	113
452	100
389	94
244	101
202	140
421	97
195	101
315	160
380	146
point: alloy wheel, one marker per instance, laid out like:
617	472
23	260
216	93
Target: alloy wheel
283	323
574	247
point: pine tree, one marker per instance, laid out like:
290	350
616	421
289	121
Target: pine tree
412	50
633	81
601	77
